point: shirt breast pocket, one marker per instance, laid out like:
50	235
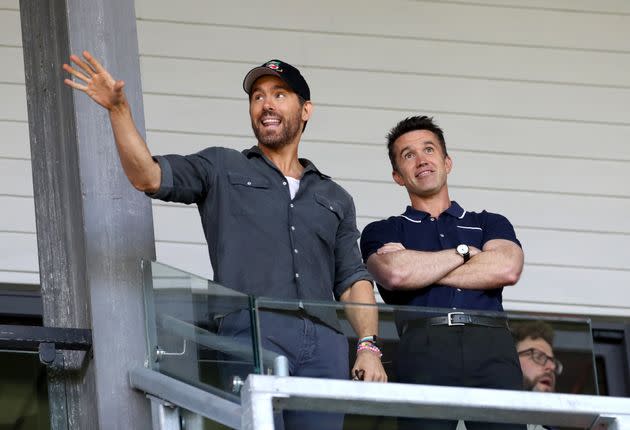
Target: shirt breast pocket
472	236
248	194
328	216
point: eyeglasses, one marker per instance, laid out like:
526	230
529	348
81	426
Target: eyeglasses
541	358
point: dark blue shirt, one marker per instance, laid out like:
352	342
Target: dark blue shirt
262	242
419	231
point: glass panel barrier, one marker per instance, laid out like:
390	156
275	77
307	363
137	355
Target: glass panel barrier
211	337
419	346
189	338
23	391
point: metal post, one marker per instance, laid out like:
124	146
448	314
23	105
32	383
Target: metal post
165	415
618	423
211	405
257	410
281	366
92	227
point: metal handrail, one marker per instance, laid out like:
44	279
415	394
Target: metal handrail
186	396
262	393
270	359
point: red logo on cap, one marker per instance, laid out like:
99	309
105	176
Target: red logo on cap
274	65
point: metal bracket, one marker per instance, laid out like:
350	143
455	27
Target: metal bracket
606	422
47	341
160	353
47	353
237	384
165	415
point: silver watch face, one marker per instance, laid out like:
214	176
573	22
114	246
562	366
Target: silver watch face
462	249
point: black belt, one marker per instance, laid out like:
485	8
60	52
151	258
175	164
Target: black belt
456	319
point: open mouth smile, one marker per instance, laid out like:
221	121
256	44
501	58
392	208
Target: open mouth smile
424	173
270	121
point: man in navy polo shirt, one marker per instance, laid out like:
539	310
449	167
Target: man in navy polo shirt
438	255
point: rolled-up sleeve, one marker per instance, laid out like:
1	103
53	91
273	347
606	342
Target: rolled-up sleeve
349	267
185	179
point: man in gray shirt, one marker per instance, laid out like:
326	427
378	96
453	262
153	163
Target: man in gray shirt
275	225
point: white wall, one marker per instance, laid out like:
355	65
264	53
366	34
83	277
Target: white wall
533	99
18	247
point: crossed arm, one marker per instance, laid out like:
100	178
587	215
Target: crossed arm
95	81
498	264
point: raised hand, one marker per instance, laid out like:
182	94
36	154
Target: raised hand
95	81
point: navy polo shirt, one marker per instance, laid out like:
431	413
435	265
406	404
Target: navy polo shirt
420	231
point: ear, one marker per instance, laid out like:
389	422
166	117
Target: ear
307	110
448	162
397	178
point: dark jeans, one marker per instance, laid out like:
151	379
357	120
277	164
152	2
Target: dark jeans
461	356
312	349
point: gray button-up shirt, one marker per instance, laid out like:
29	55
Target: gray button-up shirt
261	242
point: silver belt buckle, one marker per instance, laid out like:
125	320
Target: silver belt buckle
449	318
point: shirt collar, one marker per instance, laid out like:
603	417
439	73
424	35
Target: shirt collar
309	166
454	210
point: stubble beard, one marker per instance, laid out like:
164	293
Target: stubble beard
289	130
530	384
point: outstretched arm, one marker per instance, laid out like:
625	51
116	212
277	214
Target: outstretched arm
364	321
95	81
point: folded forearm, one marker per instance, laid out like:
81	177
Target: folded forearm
486	270
408	269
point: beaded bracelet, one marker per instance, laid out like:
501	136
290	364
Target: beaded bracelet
369	346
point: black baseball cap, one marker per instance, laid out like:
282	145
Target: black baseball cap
284	71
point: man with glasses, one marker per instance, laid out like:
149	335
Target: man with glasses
539	366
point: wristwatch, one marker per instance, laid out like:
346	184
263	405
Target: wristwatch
464	251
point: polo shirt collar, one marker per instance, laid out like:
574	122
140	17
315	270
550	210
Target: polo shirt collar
454	210
308	165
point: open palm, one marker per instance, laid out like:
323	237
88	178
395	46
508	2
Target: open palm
94	80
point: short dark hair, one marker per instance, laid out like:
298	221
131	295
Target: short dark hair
413	123
533	330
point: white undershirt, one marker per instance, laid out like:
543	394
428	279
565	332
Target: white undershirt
294	185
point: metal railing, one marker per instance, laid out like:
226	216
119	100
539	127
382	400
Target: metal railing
205	303
262	393
270	359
